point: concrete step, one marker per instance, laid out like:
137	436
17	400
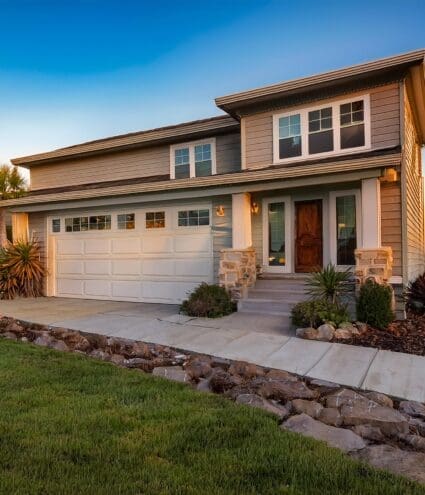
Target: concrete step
265	306
291	294
279	284
286	317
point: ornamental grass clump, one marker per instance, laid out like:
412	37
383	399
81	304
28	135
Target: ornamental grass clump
210	301
21	270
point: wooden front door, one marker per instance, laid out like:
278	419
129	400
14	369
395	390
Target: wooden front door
309	239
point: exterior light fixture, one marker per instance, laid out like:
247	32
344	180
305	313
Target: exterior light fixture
255	208
389	175
220	211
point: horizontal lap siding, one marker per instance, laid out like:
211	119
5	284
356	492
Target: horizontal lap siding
414	198
123	165
391	223
385	125
37	231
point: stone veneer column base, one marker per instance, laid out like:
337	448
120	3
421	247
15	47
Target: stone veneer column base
237	270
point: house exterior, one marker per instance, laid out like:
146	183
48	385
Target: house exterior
295	175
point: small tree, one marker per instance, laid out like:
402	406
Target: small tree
12	185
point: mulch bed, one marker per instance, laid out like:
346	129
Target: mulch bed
401	336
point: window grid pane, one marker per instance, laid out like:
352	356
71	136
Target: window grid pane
126	221
155	220
193	218
56	225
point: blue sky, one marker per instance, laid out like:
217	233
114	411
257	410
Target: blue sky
72	71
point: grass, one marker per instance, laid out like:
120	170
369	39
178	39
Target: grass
72	425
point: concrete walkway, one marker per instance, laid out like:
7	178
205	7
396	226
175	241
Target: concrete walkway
260	340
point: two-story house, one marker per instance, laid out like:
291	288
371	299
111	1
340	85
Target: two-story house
293	176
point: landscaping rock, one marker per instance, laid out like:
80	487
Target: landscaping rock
198	368
221	381
325	332
245	370
343	334
406	463
99	354
43	340
117	359
324	386
14	327
390	421
174	373
417	425
96	340
203	385
308	333
342	439
281	375
330	416
140	350
369	432
361	327
222	363
256	401
310	407
381	399
9	335
284	390
412	408
140	363
415	441
342	397
59	345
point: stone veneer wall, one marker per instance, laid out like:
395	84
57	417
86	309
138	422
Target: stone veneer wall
237	270
374	263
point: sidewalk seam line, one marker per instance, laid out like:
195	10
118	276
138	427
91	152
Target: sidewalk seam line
318	361
368	368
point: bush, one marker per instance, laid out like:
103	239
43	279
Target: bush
415	295
21	270
318	311
211	301
374	305
329	283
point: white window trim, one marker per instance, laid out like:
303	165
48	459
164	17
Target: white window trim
191	145
287	268
332	221
335	105
193	227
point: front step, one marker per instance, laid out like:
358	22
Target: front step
287	294
265	306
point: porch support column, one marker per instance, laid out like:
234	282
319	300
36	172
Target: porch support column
241	221
20	227
371	213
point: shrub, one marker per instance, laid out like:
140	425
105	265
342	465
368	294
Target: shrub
318	311
374	305
329	283
21	270
415	295
211	301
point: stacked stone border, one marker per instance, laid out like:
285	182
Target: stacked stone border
370	426
237	271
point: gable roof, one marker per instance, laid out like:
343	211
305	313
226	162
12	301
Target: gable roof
232	102
171	133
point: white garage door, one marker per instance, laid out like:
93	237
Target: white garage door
149	255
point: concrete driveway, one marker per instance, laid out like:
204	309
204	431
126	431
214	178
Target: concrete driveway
263	340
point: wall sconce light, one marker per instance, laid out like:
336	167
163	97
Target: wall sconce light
389	175
255	208
220	211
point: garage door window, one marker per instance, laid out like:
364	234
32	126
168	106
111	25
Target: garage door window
76	224
155	219
101	222
193	218
126	221
56	225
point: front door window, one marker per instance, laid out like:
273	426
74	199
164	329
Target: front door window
276	228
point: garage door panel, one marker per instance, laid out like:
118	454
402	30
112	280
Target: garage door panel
126	267
126	246
127	290
97	246
193	268
70	247
70	287
158	267
99	288
192	244
97	267
157	244
69	267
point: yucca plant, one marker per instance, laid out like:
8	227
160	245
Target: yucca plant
329	283
22	270
415	295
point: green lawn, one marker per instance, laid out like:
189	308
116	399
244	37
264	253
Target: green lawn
72	425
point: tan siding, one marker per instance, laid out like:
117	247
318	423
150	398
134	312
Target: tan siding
414	236
127	165
37	231
222	229
391	222
385	125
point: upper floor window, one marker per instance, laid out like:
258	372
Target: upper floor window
193	160
338	127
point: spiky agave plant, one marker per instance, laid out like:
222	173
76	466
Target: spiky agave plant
415	295
329	283
9	288
22	262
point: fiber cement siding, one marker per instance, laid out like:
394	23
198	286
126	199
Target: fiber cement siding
37	231
391	223
222	229
385	125
143	162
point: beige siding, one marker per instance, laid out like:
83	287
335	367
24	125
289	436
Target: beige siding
222	229
391	222
37	231
385	125
144	162
413	197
